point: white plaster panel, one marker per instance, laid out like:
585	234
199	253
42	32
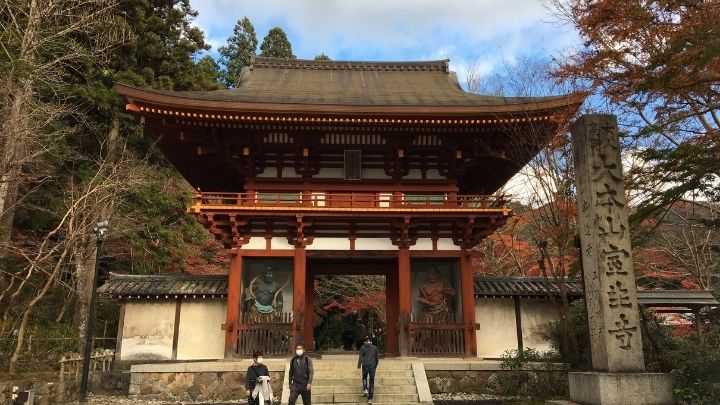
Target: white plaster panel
268	172
330	173
289	173
384	199
329	244
374	244
414	174
434	174
199	333
536	315
446	244
374	174
255	243
280	243
497	332
148	330
422	244
319	198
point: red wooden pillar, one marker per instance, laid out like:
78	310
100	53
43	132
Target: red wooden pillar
299	280
391	302
309	311
404	304
233	304
468	303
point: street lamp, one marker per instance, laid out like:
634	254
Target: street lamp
100	230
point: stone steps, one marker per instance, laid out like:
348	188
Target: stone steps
357	389
337	381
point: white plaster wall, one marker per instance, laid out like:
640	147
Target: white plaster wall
497	332
536	315
281	243
434	174
330	173
446	244
329	244
255	243
148	330
422	244
384	199
374	244
414	174
268	172
289	173
374	174
199	333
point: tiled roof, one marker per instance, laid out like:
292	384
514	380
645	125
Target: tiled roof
522	287
352	83
658	298
172	286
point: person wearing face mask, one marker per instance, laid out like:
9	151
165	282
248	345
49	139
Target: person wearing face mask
369	359
300	376
254	372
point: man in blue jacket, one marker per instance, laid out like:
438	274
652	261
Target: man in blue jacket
369	359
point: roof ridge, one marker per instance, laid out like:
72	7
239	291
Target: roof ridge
442	65
162	277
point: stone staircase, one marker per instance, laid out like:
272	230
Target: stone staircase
337	381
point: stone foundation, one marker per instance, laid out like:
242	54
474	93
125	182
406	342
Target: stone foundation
596	388
110	383
46	393
472	377
202	384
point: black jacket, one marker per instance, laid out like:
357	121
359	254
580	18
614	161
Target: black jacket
301	370
369	355
253	372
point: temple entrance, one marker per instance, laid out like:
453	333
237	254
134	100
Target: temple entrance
350	301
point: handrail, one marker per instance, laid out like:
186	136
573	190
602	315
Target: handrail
333	200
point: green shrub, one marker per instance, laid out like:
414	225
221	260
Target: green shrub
520	379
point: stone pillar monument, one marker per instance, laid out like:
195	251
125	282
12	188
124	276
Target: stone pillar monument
618	375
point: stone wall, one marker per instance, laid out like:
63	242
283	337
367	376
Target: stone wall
195	386
46	393
110	383
473	377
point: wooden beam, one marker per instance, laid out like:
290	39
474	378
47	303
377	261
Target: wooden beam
176	328
518	326
299	275
121	325
404	303
468	303
233	304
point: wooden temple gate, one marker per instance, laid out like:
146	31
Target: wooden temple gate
394	155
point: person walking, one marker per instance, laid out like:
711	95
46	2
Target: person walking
254	372
368	360
360	333
300	376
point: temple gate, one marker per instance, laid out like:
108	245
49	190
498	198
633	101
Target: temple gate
350	163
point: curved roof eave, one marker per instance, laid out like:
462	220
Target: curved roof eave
570	101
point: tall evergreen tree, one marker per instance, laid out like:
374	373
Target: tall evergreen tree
276	45
236	54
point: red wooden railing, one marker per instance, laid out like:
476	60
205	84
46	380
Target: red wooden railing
335	200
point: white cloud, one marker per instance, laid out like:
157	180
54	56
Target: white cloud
462	30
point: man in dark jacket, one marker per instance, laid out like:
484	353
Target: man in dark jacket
300	376
369	359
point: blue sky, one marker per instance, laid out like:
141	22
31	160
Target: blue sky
482	32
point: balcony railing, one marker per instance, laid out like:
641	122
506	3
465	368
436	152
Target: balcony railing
328	200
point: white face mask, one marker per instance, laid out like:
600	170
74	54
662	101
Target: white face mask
299	352
259	360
